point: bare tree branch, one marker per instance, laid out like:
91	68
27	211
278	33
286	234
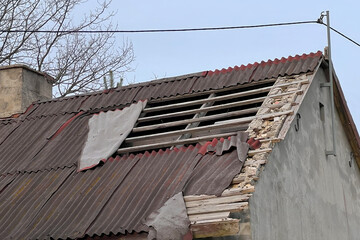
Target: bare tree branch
77	62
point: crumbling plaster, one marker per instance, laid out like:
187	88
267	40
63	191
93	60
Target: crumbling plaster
302	193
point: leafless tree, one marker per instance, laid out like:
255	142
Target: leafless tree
78	62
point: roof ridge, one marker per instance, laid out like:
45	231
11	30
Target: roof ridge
197	74
263	63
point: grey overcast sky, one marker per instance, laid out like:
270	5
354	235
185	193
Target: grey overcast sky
169	54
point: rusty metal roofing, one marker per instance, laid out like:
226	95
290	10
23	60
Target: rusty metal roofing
114	198
181	85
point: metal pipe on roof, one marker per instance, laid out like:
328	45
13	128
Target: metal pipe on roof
330	84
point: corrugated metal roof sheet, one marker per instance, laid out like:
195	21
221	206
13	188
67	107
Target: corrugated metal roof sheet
114	198
174	86
28	140
41	194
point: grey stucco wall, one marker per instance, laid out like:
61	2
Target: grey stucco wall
302	194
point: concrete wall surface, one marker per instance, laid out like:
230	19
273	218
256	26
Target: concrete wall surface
302	193
10	91
19	87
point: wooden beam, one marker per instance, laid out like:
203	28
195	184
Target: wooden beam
197	116
189	198
206	109
173	143
178	132
253	152
196	120
208	216
232	207
214	99
237	191
218	200
216	229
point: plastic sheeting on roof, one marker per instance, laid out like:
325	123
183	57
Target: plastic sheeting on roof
107	130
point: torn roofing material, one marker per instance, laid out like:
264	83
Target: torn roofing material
63	203
107	130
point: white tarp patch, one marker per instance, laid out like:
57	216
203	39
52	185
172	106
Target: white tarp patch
107	130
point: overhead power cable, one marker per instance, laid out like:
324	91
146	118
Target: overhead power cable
180	29
159	30
343	35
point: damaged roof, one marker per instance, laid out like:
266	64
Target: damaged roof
44	195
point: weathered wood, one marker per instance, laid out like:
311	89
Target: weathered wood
194	111
172	143
189	198
218	200
232	207
253	152
232	123
236	191
192	130
208	216
215	229
197	116
254	162
195	120
214	99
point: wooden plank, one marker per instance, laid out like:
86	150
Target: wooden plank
194	111
215	229
206	128
173	143
209	216
189	198
253	152
218	200
232	207
196	120
236	191
219	98
213	108
235	122
201	101
207	109
197	116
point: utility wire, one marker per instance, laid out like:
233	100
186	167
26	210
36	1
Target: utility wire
343	35
158	30
180	29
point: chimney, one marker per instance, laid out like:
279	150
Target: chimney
20	86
